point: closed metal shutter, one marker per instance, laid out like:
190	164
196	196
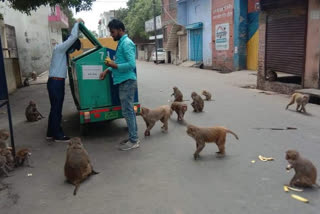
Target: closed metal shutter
285	40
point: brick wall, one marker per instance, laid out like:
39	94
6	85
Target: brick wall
222	12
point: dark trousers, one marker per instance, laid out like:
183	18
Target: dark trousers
56	95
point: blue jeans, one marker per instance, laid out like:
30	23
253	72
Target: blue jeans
56	95
127	91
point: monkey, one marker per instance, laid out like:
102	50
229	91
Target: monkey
151	116
305	171
4	135
7	153
178	96
4	166
204	135
32	113
207	94
301	100
77	166
180	108
197	103
26	82
23	155
271	75
34	76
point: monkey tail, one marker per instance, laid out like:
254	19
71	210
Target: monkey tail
94	172
234	134
76	189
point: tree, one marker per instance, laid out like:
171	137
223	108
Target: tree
139	11
26	6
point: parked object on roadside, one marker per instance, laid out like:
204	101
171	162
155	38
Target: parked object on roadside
203	135
151	116
301	100
32	113
271	75
77	166
305	171
161	56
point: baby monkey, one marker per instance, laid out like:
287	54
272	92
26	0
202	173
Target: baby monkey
22	156
32	113
305	172
207	94
204	135
301	100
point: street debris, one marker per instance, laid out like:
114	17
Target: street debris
3	112
299	198
29	174
248	86
285	188
264	159
253	161
295	189
287	128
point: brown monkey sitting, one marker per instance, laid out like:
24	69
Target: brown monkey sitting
151	116
207	94
4	135
23	155
204	135
305	172
180	108
4	166
7	153
178	97
34	76
197	103
301	100
77	166
32	113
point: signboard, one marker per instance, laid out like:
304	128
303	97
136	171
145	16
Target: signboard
3	80
222	37
91	72
149	25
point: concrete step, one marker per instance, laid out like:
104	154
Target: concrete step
311	91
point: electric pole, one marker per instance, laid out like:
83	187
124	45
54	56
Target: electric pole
155	30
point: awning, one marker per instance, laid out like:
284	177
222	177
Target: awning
194	26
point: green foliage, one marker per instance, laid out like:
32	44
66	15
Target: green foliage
26	6
137	13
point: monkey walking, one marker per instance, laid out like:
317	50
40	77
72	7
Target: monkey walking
32	113
180	108
198	103
151	116
77	166
207	94
204	135
301	100
305	172
178	96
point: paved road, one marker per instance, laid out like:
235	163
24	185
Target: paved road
161	176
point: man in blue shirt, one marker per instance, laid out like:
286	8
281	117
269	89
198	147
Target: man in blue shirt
123	75
57	75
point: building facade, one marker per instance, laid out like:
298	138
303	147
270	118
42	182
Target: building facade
105	18
289	44
36	35
193	15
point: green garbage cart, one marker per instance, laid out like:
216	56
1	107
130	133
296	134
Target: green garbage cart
96	100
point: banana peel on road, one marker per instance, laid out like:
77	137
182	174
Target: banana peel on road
265	159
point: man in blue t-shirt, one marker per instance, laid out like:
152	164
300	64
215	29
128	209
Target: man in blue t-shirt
123	75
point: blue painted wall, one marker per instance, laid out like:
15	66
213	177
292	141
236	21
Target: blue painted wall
240	34
193	11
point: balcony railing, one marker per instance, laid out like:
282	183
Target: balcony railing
58	18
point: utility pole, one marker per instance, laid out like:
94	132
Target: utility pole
155	30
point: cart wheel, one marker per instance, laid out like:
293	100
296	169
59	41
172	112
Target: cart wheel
84	129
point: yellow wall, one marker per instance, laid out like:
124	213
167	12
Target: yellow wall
86	45
252	51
